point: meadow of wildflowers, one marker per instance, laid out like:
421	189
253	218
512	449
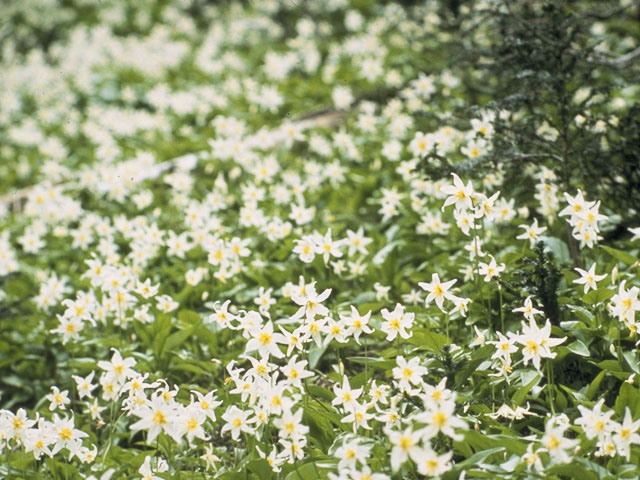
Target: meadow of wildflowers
284	240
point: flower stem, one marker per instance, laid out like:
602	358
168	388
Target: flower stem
550	387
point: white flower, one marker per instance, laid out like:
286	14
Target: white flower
626	434
440	417
327	247
460	195
237	421
345	396
397	322
491	269
356	323
408	373
531	232
265	341
157	416
438	291
554	442
537	342
58	399
84	385
431	464
589	278
594	422
528	310
352	452
405	445
310	302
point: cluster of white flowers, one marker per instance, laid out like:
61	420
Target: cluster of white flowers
203	185
44	437
535	342
583	218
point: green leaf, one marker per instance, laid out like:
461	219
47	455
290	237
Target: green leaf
373	362
631	360
428	340
623	257
573	470
321	392
609	365
523	391
176	339
579	348
558	247
597	296
307	471
161	327
478	457
595	385
628	397
481	441
583	314
18	286
261	468
189	317
381	255
314	356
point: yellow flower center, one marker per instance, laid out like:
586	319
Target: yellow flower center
439	419
432	466
405	443
265	339
159	418
553	443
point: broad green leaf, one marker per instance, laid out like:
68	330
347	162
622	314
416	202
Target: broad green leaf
307	471
314	356
321	392
583	314
597	296
261	468
573	470
558	247
610	365
428	340
595	385
189	317
523	391
620	255
381	255
374	362
478	457
628	397
579	348
631	360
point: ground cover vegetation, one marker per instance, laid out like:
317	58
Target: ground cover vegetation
333	239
